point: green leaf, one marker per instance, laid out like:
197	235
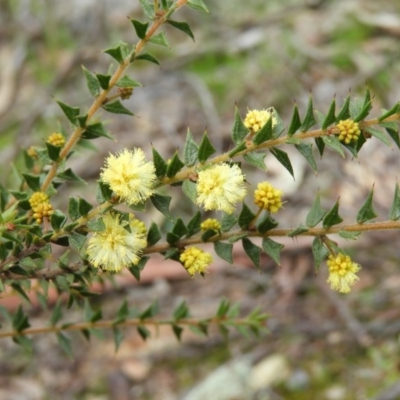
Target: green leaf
70	112
179	228
20	320
153	234
273	249
147	8
320	252
256	160
96	130
283	158
209	233
197	5
143	332
77	240
379	135
150	311
236	238
160	39
239	131
367	212
297	231
172	253
118	336
227	222
140	28
394	110
334	143
252	251
182	311
194	224
104	80
91	82
190	150
73	210
103	193
53	151
295	123
174	166
316	213
161	203
116	108
264	134
366	107
57	220
320	145
84	207
125	81
224	251
96	225
135	270
159	164
246	217
147	57
33	181
56	315
177	331
305	149
69	175
240	147
394	213
189	188
267	223
223	308
206	149
65	344
119	53
393	130
332	217
344	112
330	118
309	119
182	26
349	235
122	313
172	239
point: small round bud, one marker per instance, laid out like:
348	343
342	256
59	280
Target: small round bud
267	197
195	260
348	131
256	119
125	92
210	223
56	139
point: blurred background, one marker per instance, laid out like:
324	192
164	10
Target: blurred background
252	54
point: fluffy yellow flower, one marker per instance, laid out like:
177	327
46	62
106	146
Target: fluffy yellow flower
349	131
130	176
256	119
220	187
210	223
116	246
267	197
342	272
195	260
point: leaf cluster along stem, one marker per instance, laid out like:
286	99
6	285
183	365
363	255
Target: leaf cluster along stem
51	273
99	101
189	171
128	323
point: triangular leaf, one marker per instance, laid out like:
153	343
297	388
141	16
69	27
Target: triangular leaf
252	251
334	143
283	158
332	217
239	131
190	150
224	251
309	119
140	28
147	57
91	82
330	118
159	164
316	213
182	26
273	249
367	212
305	149
344	112
320	252
162	204
246	217
264	134
174	166
206	149
256	160
116	108
295	123
189	188
394	213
